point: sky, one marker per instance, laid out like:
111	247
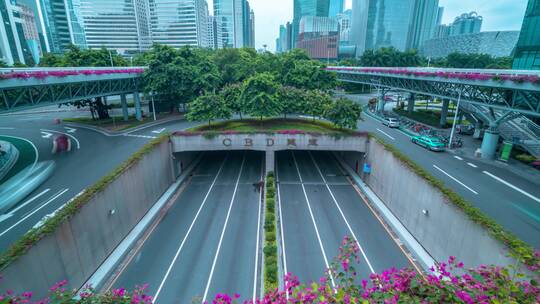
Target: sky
498	15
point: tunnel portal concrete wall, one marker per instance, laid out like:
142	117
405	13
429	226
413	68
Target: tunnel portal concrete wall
80	244
445	230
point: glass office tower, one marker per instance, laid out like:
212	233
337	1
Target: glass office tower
231	15
62	22
527	53
388	23
335	8
303	8
120	25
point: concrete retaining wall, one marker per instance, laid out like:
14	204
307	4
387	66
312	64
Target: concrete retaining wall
406	194
76	249
268	142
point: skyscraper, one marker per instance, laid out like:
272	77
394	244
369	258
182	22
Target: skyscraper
248	26
336	7
231	14
388	23
424	22
303	8
121	25
63	24
19	38
319	36
179	22
466	24
527	52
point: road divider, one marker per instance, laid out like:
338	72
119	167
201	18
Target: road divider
270	246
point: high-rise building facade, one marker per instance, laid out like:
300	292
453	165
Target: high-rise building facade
319	8
424	22
335	7
231	14
179	22
19	37
344	20
121	25
388	23
527	52
63	24
214	36
319	36
466	24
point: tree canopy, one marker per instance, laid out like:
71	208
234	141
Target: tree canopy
77	57
208	107
259	96
344	113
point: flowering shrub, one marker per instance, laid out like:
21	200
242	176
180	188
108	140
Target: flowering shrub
535	79
270	244
448	282
44	74
485	284
59	295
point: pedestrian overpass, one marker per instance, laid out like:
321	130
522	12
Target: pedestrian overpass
26	88
501	98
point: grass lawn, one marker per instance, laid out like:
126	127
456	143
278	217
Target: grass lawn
27	155
115	123
272	124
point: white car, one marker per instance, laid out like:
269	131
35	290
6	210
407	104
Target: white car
391	122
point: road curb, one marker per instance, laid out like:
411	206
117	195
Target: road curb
420	253
106	269
123	132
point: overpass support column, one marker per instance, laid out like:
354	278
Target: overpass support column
123	101
410	104
444	112
137	99
380	102
490	143
270	161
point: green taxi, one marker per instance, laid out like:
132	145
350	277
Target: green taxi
428	142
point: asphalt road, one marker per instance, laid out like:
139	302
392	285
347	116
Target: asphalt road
318	207
207	242
93	155
512	200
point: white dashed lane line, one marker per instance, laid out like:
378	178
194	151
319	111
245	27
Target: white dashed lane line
385	134
455	179
513	187
457	157
472	165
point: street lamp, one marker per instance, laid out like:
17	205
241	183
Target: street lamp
455	119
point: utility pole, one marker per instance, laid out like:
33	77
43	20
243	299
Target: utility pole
455	119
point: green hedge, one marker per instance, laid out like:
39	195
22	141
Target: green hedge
29	239
518	248
270	245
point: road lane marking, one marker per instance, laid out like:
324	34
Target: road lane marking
513	187
457	157
455	179
66	134
527	212
70	130
278	184
385	134
46	134
159	131
223	230
314	223
7	128
33	212
258	231
167	273
140	136
472	165
12	212
342	214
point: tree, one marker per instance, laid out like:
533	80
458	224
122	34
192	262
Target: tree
18	64
293	100
231	95
50	60
235	65
208	107
309	74
391	57
344	113
3	64
316	103
259	95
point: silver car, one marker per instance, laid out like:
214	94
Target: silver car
391	122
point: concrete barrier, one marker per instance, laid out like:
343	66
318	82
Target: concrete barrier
80	244
425	212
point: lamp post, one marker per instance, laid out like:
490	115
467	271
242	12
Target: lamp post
455	119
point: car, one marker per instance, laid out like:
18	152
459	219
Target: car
391	122
431	143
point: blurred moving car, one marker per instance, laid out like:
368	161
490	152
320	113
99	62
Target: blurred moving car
430	143
391	122
61	143
465	129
